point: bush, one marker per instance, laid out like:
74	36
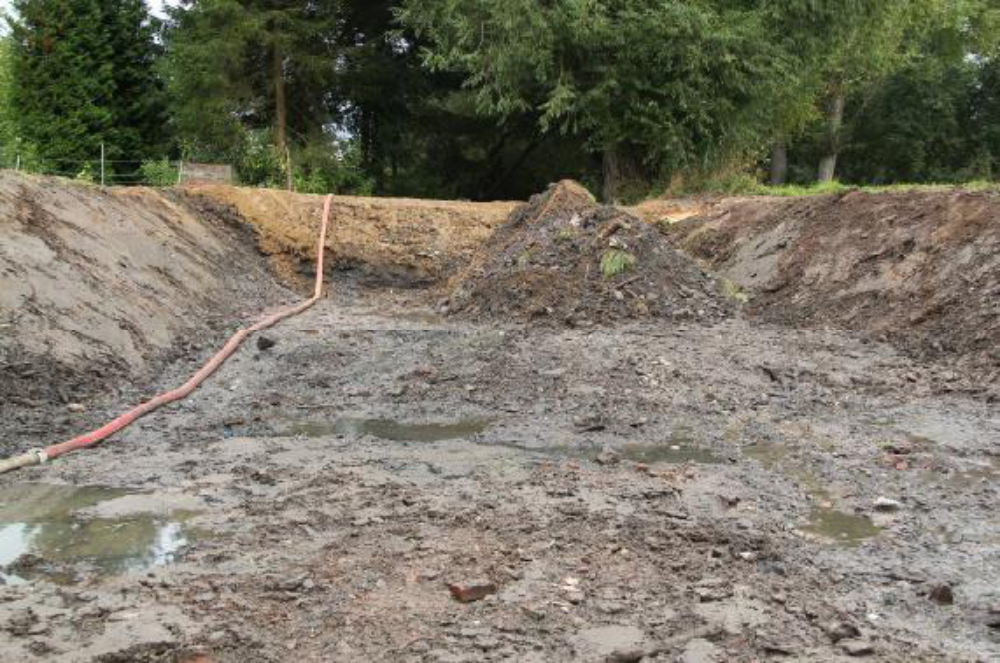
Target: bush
158	172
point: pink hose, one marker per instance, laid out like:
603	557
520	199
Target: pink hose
184	390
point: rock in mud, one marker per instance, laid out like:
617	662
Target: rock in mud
856	647
840	630
887	504
607	457
475	590
620	644
942	595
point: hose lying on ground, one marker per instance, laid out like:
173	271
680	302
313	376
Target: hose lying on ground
42	455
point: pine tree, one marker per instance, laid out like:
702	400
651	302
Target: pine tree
139	106
239	65
62	79
82	75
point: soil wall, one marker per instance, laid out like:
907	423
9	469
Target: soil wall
96	282
919	268
393	241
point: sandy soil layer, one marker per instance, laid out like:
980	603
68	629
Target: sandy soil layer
332	517
385	241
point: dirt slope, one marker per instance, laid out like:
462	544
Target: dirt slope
389	241
919	268
95	283
551	261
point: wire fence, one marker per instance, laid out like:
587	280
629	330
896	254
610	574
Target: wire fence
120	172
109	172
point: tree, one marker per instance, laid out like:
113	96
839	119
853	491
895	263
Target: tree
241	65
889	85
653	87
62	79
139	105
8	130
81	76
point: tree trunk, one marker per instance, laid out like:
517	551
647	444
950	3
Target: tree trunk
611	175
779	163
280	105
620	168
835	121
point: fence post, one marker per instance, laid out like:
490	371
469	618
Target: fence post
17	164
180	171
102	164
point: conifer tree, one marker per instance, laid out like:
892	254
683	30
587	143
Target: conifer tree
82	74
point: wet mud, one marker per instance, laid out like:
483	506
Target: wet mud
629	492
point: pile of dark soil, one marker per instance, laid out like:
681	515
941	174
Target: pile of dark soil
918	268
563	259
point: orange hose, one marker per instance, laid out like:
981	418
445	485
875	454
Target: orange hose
203	373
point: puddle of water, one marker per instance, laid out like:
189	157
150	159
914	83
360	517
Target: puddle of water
825	521
674	453
390	429
420	317
975	478
767	454
639	453
829	523
41	520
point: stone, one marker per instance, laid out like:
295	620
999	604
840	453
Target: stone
700	650
942	595
475	590
607	457
855	647
887	504
265	343
618	643
840	630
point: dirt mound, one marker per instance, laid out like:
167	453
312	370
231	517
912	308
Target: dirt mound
399	242
564	259
918	268
95	283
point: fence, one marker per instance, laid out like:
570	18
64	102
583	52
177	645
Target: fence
125	172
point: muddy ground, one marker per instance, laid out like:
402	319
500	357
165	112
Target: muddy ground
724	491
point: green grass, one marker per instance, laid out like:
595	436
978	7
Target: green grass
745	185
616	261
793	190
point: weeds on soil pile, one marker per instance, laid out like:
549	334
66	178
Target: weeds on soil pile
563	259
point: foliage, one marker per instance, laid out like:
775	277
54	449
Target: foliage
491	99
615	261
749	186
913	128
81	74
238	66
8	130
159	172
676	83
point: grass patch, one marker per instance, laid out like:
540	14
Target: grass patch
732	291
746	185
616	261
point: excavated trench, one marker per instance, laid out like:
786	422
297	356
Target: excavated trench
619	476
